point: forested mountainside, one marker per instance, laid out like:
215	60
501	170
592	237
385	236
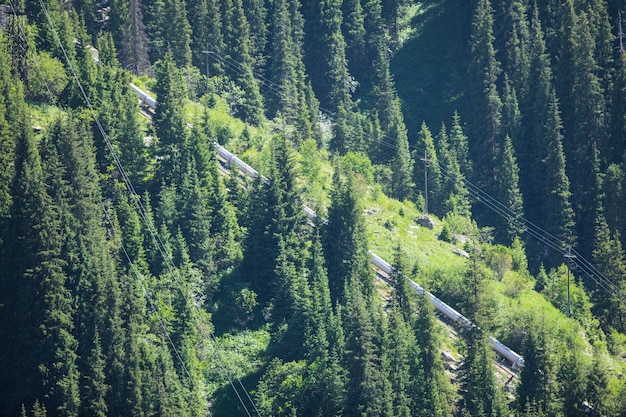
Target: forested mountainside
140	276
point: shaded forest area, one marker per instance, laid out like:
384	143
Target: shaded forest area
139	277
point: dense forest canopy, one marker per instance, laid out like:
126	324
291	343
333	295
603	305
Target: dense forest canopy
140	275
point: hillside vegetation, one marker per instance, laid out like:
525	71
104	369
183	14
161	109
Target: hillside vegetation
140	276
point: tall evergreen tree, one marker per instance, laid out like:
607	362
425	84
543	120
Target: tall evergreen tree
353	30
538	386
236	29
426	170
39	360
485	119
454	193
557	208
433	394
459	142
401	163
129	33
169	121
368	388
256	15
206	25
345	245
480	392
608	256
509	194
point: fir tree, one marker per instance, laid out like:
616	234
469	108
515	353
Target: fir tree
169	121
480	392
237	39
510	195
486	116
538	386
353	31
558	212
459	142
368	388
129	33
401	163
454	193
425	149
345	245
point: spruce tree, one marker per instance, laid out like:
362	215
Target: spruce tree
206	25
345	245
256	15
401	163
354	33
237	39
608	256
129	32
432	392
400	349
480	393
425	149
538	386
459	142
169	121
509	195
557	209
402	296
454	193
485	118
39	358
368	388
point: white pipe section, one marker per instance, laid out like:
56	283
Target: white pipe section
516	359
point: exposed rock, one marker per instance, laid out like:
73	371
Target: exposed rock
447	356
426	221
461	252
460	238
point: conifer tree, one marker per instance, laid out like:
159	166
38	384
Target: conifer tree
327	393
425	149
9	130
480	392
368	388
536	105
485	119
454	193
538	386
401	351
169	121
402	292
432	393
256	15
509	194
345	245
354	33
206	25
39	358
129	32
584	113
401	163
286	69
459	142
237	39
557	209
517	43
608	256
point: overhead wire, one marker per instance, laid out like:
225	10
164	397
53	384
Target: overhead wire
536	232
142	210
